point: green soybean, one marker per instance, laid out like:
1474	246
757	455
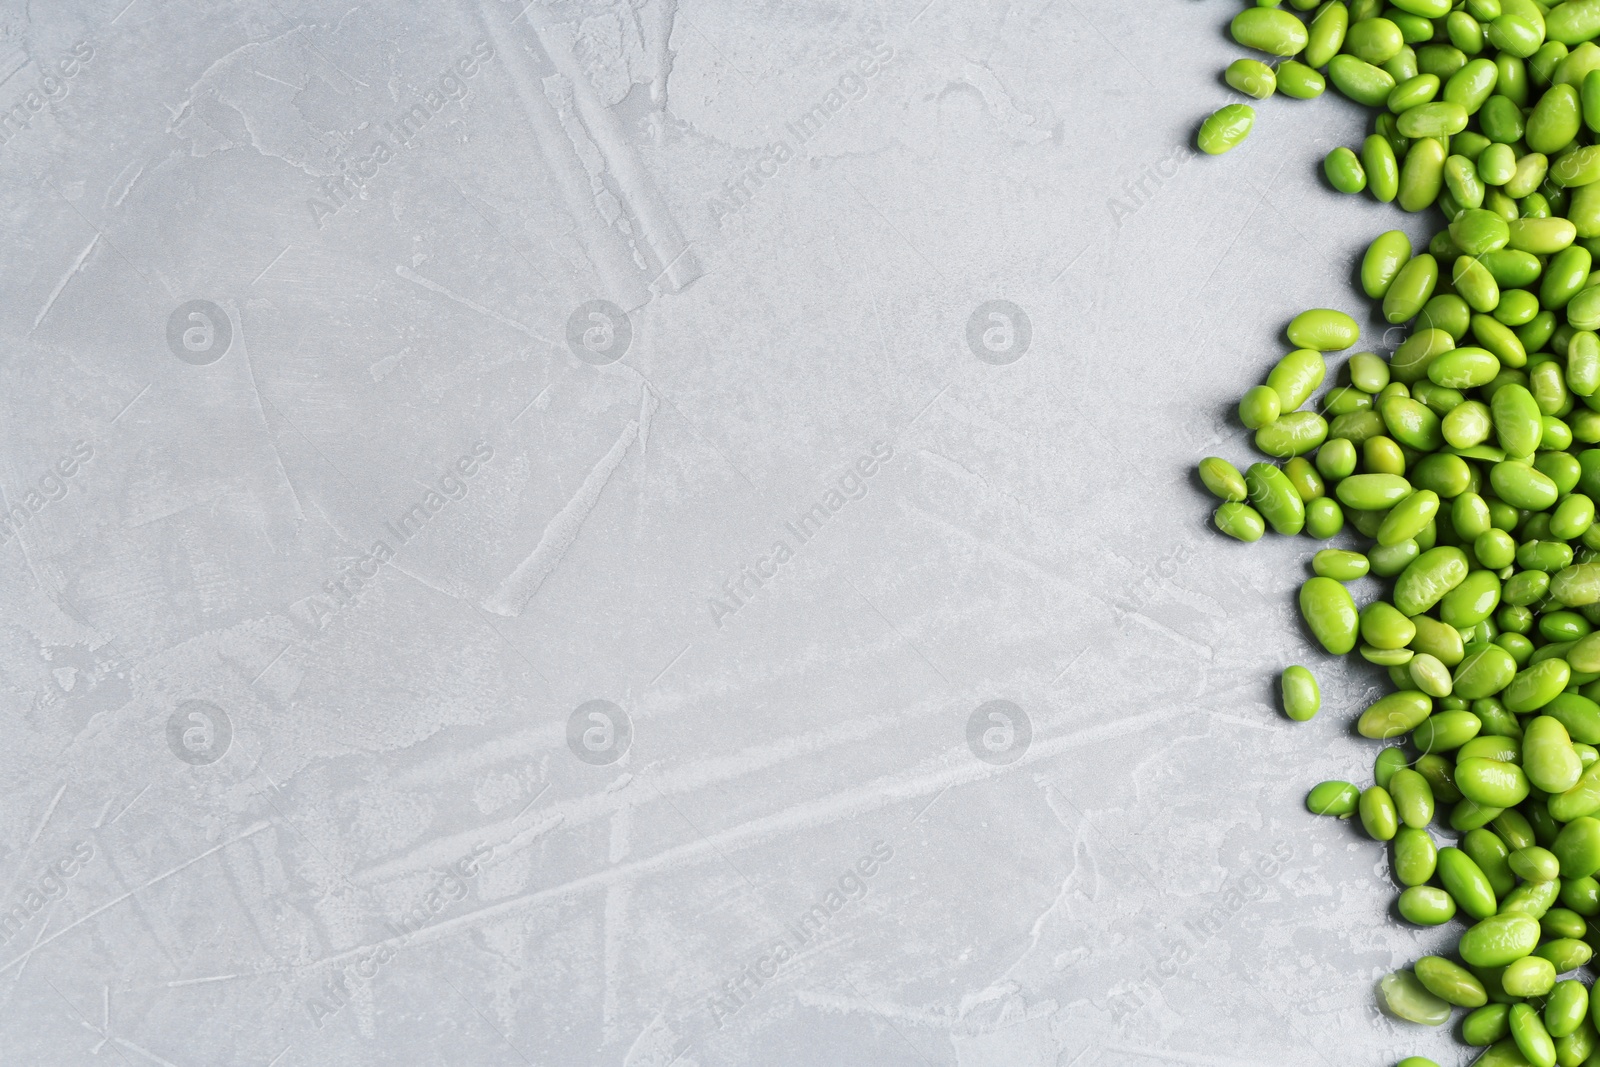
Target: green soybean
1499	940
1333	798
1302	699
1378	160
1405	997
1251	77
1240	521
1377	812
1268	30
1330	612
1323	330
1426	905
1226	128
1344	171
1422	174
1274	495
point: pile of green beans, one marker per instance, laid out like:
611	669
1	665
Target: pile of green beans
1460	467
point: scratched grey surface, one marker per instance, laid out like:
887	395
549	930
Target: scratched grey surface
385	384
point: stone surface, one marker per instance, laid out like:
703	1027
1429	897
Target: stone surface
661	533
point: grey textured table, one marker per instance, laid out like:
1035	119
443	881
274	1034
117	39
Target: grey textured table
660	533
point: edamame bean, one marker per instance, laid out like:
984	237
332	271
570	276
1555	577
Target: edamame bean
1222	479
1583	798
1492	783
1406	998
1344	170
1422	174
1372	492
1416	857
1536	686
1487	1025
1336	459
1483	672
1410	291
1542	237
1227	127
1431	676
1428	578
1465	882
1477	231
1333	798
1567	1007
1475	284
1301	696
1330	612
1377	813
1534	864
1497	164
1464	368
1450	982
1426	905
1379	162
1323	330
1580	23
1583	360
1491	856
1251	77
1412	797
1395	714
1521	485
1577	585
1268	30
1529	1037
1578	847
1379	267
1340	564
1440	119
1547	753
1555	120
1240	521
1259	407
1326	34
1360	80
1499	339
1274	495
1499	940
1296	376
1294	434
1532	899
1531	976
